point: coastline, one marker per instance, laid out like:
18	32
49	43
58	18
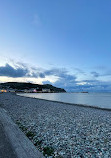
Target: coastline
80	105
71	131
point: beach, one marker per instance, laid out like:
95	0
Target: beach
72	131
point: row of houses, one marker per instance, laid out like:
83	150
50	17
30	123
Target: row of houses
32	90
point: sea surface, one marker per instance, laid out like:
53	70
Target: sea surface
102	100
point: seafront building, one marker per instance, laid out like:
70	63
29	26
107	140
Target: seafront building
46	90
3	90
32	90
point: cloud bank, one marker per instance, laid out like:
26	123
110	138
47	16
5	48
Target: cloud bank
61	77
10	71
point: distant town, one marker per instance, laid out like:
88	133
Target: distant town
32	90
19	87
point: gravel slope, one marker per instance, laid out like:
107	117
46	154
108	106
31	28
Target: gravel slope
73	131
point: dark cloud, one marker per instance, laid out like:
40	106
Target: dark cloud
64	78
36	74
95	74
41	75
69	82
10	71
19	70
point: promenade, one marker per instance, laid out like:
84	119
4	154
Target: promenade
6	150
13	142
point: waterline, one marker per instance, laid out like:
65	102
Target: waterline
99	100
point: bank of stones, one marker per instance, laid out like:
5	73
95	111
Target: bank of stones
72	131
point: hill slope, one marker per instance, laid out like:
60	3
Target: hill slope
24	85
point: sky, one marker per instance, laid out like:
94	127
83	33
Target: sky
66	43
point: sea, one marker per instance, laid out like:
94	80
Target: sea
101	100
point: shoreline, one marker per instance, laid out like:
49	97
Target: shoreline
79	105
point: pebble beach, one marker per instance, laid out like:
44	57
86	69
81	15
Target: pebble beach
72	131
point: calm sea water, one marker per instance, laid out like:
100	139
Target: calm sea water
102	100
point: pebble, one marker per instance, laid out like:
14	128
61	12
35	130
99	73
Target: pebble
73	131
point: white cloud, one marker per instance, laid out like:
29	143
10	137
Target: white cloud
81	83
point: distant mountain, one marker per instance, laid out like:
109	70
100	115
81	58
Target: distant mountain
24	85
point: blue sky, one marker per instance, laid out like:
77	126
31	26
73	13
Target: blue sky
65	42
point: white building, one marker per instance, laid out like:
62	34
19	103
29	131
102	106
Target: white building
46	90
